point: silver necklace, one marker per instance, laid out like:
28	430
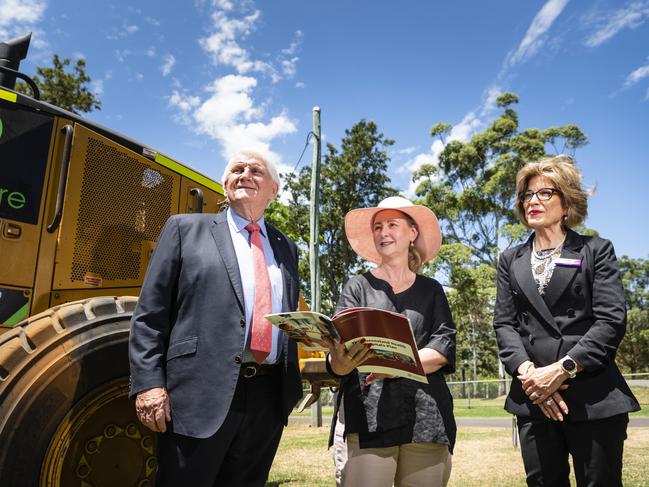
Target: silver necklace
542	263
543	258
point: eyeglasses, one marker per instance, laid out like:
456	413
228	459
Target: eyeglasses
543	194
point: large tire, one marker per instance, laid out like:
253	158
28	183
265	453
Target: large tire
65	418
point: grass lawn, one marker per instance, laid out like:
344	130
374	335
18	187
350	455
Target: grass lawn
483	457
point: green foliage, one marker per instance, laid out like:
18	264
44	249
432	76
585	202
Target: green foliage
471	295
354	177
67	90
472	188
440	129
506	99
633	353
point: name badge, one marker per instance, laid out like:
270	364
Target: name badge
567	262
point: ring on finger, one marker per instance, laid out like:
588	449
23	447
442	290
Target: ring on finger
548	402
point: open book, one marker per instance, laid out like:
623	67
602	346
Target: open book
394	350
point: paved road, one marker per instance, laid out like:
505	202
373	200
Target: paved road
635	422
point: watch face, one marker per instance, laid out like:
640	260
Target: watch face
569	365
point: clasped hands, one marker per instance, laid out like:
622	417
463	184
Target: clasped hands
541	384
344	361
153	408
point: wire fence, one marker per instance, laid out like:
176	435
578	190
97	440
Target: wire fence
488	395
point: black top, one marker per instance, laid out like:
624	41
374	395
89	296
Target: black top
391	412
582	314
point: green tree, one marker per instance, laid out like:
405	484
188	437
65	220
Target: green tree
471	190
472	187
633	353
471	299
354	177
63	88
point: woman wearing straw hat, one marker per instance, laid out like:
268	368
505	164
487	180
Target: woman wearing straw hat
387	430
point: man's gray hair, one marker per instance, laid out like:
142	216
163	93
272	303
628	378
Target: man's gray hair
251	154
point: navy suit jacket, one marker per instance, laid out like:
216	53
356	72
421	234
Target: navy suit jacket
187	331
581	314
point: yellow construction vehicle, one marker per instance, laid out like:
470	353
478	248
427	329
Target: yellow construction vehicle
81	207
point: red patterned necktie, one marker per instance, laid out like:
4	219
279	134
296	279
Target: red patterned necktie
261	330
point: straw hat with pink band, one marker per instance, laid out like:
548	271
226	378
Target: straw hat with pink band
358	228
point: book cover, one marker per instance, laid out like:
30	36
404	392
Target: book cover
394	351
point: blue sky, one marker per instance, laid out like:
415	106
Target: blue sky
199	79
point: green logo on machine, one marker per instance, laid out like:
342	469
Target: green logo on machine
1	128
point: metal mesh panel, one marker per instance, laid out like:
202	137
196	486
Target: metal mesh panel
123	203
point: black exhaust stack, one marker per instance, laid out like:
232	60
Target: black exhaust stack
11	53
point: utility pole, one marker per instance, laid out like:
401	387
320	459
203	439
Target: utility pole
314	261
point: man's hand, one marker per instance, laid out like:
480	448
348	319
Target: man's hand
153	409
343	361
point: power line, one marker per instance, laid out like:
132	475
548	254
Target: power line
306	144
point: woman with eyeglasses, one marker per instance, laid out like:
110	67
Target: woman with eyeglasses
559	318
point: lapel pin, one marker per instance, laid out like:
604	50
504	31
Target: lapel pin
562	261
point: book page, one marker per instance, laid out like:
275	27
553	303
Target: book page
306	327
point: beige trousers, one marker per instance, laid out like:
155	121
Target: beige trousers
407	465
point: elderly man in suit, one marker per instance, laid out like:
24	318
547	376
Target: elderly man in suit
208	372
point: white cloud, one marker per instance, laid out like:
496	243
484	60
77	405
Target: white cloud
139	76
167	64
152	21
26	11
300	84
489	105
184	103
122	54
230	116
297	41
122	32
288	66
534	38
224	47
630	16
226	5
151	52
636	75
407	150
97	87
20	16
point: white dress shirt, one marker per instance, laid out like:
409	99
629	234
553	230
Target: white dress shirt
241	241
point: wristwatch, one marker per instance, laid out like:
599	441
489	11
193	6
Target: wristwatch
569	367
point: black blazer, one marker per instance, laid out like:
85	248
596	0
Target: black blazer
187	331
582	314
